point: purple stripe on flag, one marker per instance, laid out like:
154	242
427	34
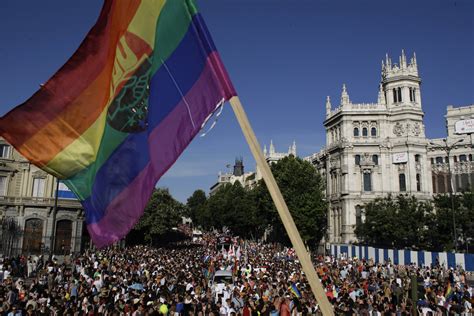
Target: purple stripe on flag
166	143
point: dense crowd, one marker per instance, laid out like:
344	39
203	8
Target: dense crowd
267	280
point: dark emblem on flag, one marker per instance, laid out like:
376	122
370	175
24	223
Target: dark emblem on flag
128	112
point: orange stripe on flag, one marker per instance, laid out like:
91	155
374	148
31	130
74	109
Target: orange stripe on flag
86	109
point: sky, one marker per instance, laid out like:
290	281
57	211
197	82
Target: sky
283	56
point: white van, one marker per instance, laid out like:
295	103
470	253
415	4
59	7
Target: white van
221	279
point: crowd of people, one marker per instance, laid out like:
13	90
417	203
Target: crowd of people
266	279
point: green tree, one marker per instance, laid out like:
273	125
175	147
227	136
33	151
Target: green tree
233	206
302	189
441	225
399	222
161	215
196	205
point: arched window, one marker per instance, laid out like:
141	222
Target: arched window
356	132
418	182
399	94
470	157
395	95
63	237
373	132
375	159
412	94
401	182
33	236
462	158
417	158
439	159
364	131
357	160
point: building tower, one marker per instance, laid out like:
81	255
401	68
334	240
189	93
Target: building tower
239	167
374	149
401	83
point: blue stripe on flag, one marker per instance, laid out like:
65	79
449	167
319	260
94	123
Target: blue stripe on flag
385	254
395	256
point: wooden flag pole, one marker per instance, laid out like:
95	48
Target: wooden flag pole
282	208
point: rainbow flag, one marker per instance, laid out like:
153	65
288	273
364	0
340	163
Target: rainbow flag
294	290
122	109
449	292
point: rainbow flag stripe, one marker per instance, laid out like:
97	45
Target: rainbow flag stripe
118	114
294	290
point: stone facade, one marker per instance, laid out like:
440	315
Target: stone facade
376	149
272	156
250	179
27	209
246	179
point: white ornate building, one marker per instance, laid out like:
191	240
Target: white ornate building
27	213
376	149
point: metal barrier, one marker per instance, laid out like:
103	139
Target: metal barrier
405	256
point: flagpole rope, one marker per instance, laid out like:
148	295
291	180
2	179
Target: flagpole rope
180	92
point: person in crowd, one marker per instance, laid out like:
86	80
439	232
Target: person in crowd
266	280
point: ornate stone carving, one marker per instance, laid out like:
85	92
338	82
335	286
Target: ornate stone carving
398	129
39	174
416	129
366	158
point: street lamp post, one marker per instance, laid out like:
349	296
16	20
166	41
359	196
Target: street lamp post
447	148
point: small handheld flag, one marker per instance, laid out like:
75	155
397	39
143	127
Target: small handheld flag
123	108
294	290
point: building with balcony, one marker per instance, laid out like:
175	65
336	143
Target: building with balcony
27	209
376	149
460	151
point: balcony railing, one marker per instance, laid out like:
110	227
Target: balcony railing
38	201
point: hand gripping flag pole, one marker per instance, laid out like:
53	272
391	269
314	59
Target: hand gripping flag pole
282	208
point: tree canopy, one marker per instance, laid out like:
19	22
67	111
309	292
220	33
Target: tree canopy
162	214
405	222
398	222
249	212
